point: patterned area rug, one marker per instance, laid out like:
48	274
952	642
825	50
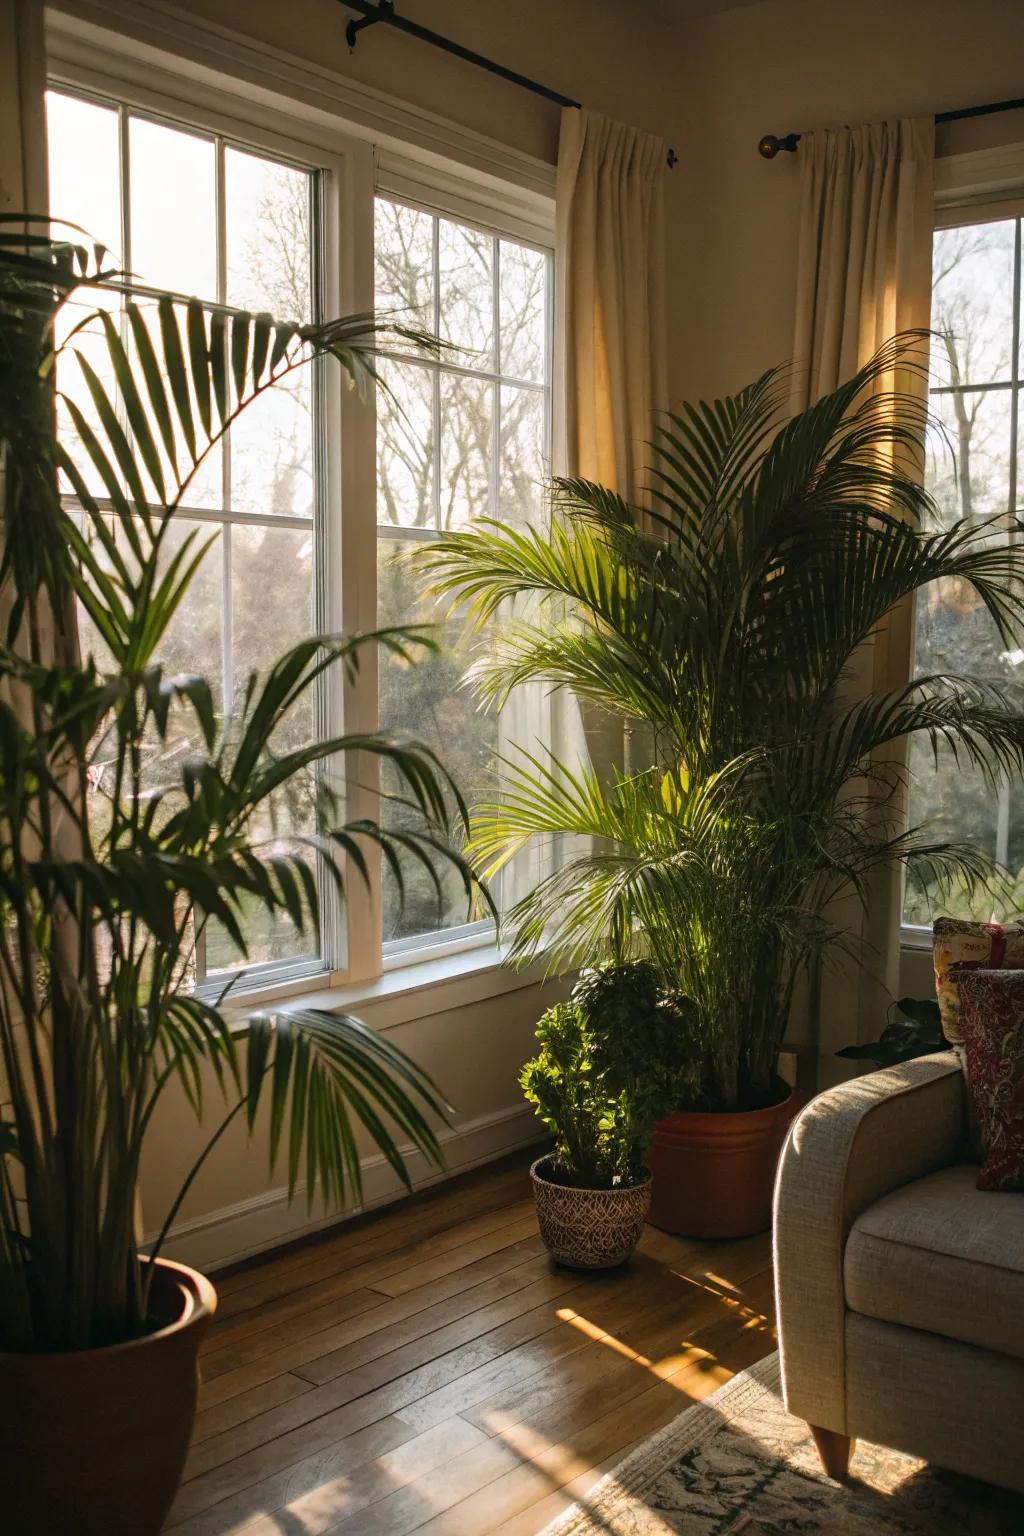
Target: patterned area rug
738	1465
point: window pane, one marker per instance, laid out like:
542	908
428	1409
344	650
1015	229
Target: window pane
271	601
972	303
267	208
173	209
404	264
968	469
405	446
466	284
271	610
467	411
77	334
272	451
84	170
523	312
521	494
427	701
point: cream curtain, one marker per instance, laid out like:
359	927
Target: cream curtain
610	284
610	378
863	273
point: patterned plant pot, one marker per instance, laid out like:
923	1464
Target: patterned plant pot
588	1228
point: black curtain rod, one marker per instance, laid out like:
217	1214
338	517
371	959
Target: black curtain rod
770	145
371	14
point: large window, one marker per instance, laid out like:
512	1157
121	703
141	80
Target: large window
973	470
264	219
194	213
460	438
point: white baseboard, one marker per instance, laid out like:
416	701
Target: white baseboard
239	1231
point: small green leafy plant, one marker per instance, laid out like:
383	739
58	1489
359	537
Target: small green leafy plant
914	1029
613	1060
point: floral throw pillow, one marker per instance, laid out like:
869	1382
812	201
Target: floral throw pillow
959	947
992	1022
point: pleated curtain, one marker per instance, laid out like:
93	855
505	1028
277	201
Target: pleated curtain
863	274
610	283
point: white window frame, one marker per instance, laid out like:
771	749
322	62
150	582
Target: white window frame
978	187
207	80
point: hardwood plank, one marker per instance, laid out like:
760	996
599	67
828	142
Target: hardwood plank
246	1405
206	1505
390	1276
394	1322
375	1233
339	1257
315	1319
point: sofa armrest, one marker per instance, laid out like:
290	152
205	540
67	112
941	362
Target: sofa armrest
848	1148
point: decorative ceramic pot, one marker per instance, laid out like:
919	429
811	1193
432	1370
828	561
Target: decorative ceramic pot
714	1174
93	1442
588	1228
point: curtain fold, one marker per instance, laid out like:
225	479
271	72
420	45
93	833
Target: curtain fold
864	273
610	382
610	353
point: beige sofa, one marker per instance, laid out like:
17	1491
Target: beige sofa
900	1285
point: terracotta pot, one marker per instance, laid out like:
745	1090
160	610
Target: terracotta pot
588	1228
714	1174
93	1442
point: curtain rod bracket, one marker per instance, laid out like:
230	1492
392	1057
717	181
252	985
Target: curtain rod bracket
352	31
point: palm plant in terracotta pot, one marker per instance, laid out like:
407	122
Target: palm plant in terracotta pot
719	629
109	877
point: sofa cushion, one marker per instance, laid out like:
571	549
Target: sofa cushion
941	1255
992	1024
959	946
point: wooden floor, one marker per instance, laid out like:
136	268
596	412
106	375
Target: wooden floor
429	1370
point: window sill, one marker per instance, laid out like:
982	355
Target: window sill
413	991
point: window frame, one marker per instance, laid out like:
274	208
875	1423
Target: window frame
978	187
353	169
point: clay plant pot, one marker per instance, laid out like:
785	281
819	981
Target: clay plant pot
93	1442
714	1174
588	1228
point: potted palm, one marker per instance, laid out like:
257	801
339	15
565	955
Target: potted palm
107	883
612	1060
718	629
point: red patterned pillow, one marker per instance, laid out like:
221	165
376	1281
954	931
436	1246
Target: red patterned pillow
960	947
992	1024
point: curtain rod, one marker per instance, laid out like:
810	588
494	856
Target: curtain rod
371	14
770	145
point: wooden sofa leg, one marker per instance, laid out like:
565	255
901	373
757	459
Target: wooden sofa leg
835	1451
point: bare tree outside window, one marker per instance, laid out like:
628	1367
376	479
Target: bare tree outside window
461	438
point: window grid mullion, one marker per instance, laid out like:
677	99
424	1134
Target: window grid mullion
435	404
494	500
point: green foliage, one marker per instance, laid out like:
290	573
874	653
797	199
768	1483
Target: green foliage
111	872
722	630
614	1059
914	1029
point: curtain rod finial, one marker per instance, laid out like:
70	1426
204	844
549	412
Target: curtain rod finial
768	146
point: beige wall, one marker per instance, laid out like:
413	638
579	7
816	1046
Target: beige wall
795	65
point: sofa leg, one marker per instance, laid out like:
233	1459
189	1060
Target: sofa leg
835	1451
